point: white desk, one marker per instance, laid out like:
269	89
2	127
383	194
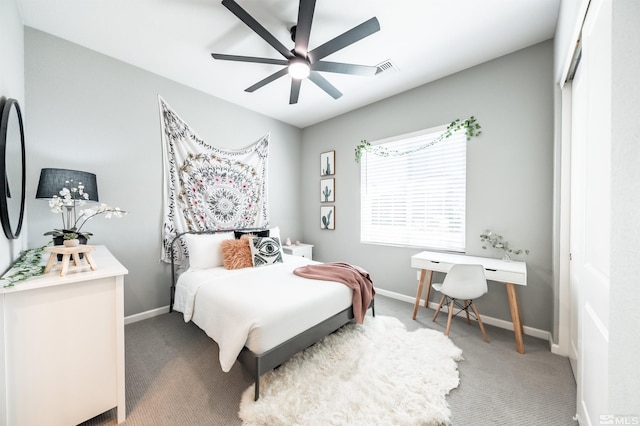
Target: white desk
511	273
62	351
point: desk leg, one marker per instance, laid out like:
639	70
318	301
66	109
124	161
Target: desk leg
419	293
426	299
515	316
423	273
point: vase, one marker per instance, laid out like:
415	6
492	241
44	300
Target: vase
59	241
71	243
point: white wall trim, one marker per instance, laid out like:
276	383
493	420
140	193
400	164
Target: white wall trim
573	41
564	225
529	331
146	315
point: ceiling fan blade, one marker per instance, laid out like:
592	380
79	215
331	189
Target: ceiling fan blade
341	68
324	85
267	80
295	91
256	27
345	39
303	27
223	57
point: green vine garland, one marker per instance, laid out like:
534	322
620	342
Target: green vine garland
471	126
26	266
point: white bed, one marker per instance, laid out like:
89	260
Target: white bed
259	308
260	316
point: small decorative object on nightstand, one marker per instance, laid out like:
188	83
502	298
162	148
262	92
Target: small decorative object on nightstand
70	258
301	249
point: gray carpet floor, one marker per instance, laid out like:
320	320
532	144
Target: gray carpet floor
173	376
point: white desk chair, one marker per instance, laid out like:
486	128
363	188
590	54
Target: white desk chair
462	282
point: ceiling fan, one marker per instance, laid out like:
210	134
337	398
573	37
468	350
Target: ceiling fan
299	62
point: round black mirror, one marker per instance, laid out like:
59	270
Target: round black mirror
12	169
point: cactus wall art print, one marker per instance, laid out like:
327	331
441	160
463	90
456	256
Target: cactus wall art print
328	217
328	163
327	190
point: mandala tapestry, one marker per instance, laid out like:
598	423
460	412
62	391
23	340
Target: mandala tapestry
207	188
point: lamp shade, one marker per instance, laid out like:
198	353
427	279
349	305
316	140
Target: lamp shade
53	180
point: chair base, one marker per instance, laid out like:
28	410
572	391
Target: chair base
467	304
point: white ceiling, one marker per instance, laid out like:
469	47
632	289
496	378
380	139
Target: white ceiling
425	40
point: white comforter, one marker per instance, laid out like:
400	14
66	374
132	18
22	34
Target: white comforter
256	307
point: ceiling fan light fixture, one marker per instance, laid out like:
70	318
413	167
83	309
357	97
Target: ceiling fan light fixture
299	68
297	61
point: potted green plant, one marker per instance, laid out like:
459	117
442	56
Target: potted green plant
70	239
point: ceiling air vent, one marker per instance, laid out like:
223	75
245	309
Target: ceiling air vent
386	67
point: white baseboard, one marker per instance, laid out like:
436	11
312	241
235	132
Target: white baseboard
508	325
145	315
529	331
555	349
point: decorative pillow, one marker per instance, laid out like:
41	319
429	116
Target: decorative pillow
266	251
239	234
236	254
204	249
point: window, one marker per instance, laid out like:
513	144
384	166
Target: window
416	199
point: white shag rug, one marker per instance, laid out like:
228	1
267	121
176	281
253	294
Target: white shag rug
377	373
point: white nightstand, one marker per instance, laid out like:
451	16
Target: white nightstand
302	250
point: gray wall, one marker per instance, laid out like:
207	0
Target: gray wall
11	86
91	112
509	181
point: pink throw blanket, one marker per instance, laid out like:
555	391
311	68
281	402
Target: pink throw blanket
352	276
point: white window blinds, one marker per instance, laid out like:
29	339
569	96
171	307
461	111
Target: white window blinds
416	199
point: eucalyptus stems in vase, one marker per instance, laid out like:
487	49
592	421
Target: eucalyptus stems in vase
497	241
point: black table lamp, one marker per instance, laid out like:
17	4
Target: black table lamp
53	180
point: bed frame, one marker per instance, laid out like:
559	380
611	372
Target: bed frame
258	364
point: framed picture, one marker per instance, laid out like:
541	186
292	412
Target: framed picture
328	163
327	190
328	217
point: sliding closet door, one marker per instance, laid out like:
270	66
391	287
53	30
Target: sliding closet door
590	214
576	242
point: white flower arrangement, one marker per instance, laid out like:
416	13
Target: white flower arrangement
69	201
498	242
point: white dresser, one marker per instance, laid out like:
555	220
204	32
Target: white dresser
62	353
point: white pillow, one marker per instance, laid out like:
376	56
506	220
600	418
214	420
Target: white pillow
205	250
275	232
